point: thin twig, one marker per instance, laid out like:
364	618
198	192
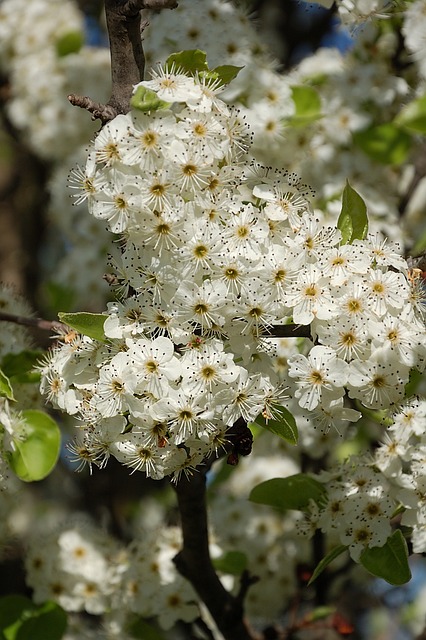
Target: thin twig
37	323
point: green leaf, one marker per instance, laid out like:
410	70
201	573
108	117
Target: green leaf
145	99
20	366
385	143
89	324
223	74
413	116
35	456
144	631
190	61
294	492
232	562
20	619
389	562
353	221
70	42
285	426
334	553
6	390
307	104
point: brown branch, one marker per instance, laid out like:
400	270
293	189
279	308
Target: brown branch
194	562
37	323
102	112
127	57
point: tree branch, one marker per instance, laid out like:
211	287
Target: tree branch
37	323
194	562
127	57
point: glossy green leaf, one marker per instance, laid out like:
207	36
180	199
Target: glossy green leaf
294	492
332	555
389	562
145	100
21	619
6	390
307	103
223	74
232	562
70	42
385	143
353	220
89	324
413	116
285	426
35	456
190	61
20	366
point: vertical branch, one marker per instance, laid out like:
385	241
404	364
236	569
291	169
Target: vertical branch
194	562
127	56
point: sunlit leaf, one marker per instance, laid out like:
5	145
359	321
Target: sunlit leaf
145	100
385	143
307	103
36	454
413	116
190	61
89	324
223	74
294	492
70	42
353	220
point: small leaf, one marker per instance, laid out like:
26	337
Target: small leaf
285	426
21	619
413	116
294	492
307	104
145	100
389	562
70	42
6	390
385	143
35	456
334	553
20	366
232	562
353	221
190	61
89	324
223	74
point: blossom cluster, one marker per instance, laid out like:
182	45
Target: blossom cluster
217	253
366	491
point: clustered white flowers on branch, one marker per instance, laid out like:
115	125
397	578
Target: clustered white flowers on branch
217	250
